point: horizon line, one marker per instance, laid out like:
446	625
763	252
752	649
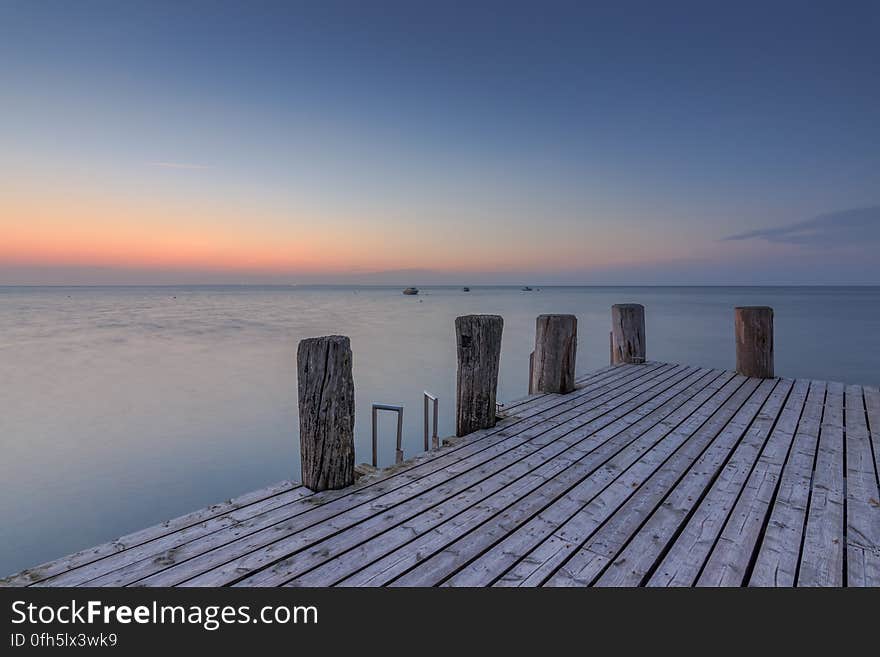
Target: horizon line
438	285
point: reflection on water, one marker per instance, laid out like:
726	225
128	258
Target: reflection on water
122	407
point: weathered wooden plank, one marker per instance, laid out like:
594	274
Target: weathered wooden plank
683	562
662	435
589	384
141	536
158	551
637	476
242	544
361	526
508	407
160	547
470	513
538	403
729	561
862	496
593	450
456	556
779	552
551	401
588	562
337	501
634	563
822	555
616	501
400	561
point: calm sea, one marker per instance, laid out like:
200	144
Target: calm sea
121	407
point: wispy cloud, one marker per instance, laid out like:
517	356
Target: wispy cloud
177	165
858	227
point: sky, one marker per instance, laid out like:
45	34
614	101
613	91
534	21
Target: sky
442	142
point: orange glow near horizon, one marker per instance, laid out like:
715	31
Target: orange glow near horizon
79	230
91	233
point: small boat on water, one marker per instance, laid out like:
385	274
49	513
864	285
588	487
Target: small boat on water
526	289
411	290
465	289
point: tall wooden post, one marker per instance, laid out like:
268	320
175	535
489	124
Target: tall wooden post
553	361
479	353
627	333
326	412
753	326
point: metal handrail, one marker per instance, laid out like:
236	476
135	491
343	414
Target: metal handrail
435	438
399	411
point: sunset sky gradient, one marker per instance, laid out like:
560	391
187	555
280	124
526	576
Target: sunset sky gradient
415	143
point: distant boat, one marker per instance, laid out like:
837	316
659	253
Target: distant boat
411	290
465	289
526	289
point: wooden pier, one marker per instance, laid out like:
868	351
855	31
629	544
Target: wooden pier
646	473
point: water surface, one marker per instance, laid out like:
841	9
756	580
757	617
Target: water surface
121	407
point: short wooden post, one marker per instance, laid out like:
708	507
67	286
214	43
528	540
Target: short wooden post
479	353
753	326
627	333
553	361
326	412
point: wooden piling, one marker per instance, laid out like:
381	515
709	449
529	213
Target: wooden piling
753	326
627	333
479	353
553	361
326	412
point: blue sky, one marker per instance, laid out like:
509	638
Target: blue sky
549	142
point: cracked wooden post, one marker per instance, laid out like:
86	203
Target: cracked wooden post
553	361
753	326
627	333
326	412
479	353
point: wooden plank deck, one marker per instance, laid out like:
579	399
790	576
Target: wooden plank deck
646	475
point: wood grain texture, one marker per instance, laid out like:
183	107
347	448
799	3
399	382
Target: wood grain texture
326	412
753	328
613	505
822	555
552	364
729	562
231	554
776	562
685	558
478	338
568	514
446	519
221	514
653	474
434	570
627	333
423	498
633	565
589	559
862	496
